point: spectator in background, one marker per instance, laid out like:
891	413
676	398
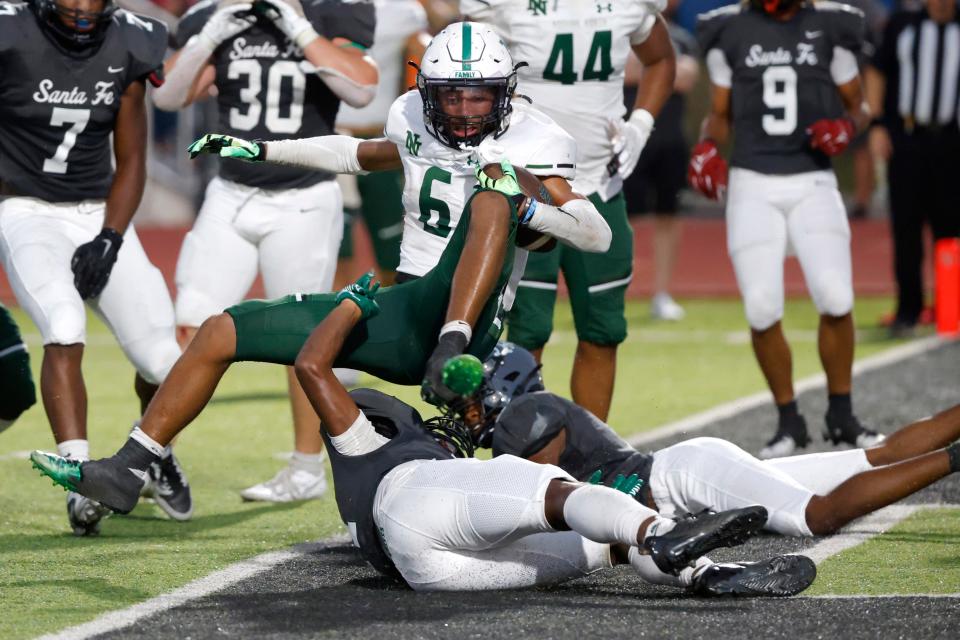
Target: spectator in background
662	169
912	90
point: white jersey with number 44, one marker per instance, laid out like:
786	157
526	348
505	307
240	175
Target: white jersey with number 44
576	51
440	180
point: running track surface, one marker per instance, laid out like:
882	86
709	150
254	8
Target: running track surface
703	268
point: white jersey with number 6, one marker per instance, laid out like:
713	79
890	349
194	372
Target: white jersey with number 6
576	51
440	180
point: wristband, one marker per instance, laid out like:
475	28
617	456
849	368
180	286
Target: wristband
459	326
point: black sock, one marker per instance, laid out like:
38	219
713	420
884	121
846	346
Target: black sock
839	404
135	455
954	452
788	410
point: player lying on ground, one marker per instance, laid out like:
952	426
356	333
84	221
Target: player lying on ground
419	507
812	494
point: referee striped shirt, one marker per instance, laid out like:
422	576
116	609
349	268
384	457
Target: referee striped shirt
921	62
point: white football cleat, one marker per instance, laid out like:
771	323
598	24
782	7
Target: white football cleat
289	485
663	307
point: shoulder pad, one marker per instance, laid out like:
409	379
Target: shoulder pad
556	150
846	25
12	15
382	409
401	116
193	20
528	424
145	39
710	25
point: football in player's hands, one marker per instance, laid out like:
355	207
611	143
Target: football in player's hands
432	389
521	186
707	170
831	136
93	261
362	293
227	147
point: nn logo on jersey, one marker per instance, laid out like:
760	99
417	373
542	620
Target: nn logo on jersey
413	143
537	7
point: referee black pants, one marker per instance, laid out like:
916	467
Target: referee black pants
924	178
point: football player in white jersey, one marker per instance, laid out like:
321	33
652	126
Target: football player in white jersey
457	292
577	52
254	219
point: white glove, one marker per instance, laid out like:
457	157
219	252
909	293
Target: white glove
227	22
488	152
629	137
289	18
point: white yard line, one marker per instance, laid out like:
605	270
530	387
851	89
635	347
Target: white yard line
199	588
703	419
218	580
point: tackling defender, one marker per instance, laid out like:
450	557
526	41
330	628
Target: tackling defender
577	53
784	75
73	74
813	494
280	70
461	245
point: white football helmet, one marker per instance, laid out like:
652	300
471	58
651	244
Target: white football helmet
466	54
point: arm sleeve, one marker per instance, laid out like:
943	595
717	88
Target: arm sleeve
146	40
527	425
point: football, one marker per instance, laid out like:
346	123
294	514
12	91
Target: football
527	238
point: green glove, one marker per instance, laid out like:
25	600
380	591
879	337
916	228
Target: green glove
629	485
227	147
361	293
595	477
506	185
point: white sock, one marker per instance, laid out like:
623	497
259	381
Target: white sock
149	443
312	462
75	449
650	572
605	515
359	439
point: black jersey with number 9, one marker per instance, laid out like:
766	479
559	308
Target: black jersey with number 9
783	77
264	91
57	111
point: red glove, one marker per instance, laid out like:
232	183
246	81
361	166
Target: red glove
707	171
831	136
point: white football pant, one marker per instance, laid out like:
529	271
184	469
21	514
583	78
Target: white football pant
37	241
711	473
765	214
291	235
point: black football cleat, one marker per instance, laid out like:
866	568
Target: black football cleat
695	537
107	481
791	435
775	577
847	428
170	488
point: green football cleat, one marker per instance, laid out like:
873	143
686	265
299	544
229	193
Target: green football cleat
63	471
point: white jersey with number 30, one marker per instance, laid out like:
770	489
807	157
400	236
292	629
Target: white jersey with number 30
576	51
440	180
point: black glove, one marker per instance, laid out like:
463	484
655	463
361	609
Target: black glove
93	261
432	389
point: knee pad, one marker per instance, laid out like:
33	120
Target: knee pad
66	322
833	295
19	392
763	308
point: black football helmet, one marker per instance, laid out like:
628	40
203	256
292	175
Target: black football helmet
509	372
76	32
